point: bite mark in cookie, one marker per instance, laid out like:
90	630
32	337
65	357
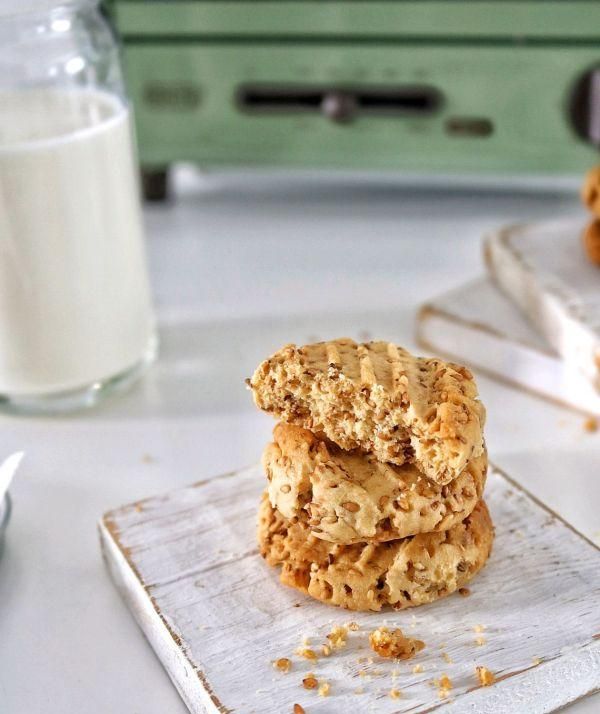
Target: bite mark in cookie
379	398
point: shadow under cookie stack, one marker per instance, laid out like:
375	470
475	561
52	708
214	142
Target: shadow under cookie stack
375	474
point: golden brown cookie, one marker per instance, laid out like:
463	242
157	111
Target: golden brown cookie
350	497
379	398
401	573
590	191
591	241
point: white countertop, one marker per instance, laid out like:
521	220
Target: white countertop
241	264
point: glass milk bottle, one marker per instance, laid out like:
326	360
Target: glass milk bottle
75	309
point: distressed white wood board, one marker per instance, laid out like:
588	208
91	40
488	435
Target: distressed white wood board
187	566
542	267
479	326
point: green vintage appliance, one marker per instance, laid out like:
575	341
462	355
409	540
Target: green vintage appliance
499	88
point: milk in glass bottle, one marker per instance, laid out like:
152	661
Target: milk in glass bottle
75	309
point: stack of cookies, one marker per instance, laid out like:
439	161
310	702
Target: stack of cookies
375	474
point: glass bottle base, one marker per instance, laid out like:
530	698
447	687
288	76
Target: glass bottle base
81	397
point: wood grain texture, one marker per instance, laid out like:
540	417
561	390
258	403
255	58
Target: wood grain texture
542	267
216	615
479	326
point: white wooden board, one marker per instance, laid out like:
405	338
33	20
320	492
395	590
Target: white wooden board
478	326
543	269
216	615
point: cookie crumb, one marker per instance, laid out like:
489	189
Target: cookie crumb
353	626
447	657
298	709
306	641
283	664
536	660
326	650
417	669
590	425
307	654
485	677
445	682
395	693
337	637
480	641
310	682
479	628
465	592
394	644
324	689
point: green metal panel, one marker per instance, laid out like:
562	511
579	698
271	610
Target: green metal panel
184	101
505	20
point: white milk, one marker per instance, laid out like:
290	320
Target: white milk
74	296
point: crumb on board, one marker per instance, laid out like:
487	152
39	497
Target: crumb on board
324	688
296	604
337	637
353	626
359	690
480	641
306	641
536	660
445	682
395	693
325	650
310	682
394	644
465	592
307	653
298	709
444	685
590	425
283	664
417	669
485	677
479	628
447	657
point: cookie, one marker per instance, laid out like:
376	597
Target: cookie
590	191
350	497
379	398
402	573
591	242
